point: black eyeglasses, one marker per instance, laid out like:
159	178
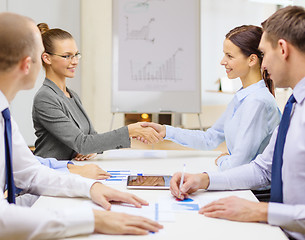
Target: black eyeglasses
67	57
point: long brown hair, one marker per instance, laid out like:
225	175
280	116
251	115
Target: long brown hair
247	38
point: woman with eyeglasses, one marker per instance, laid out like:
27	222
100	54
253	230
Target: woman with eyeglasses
62	127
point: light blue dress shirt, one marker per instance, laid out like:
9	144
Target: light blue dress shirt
246	126
291	213
54	164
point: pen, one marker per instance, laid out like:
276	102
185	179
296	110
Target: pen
181	181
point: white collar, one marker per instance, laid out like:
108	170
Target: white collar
3	102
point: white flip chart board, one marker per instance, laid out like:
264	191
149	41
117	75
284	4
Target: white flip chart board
156	56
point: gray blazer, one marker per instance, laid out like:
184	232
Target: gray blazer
58	129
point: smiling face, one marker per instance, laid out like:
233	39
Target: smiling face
235	62
61	66
273	62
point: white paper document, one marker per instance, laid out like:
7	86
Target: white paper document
191	204
119	176
153	211
204	199
175	205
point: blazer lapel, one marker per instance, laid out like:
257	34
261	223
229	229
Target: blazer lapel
79	104
60	93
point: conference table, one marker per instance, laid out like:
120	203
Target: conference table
184	224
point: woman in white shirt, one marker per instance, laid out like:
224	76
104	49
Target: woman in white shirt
252	115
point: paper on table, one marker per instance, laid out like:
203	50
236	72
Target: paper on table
174	205
153	211
127	154
119	176
193	203
204	200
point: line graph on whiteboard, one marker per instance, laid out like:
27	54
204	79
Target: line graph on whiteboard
139	34
160	72
139	6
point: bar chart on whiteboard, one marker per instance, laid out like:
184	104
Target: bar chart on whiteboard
161	72
155	53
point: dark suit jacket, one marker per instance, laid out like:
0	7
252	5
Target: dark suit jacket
59	134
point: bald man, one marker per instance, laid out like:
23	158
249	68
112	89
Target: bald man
20	61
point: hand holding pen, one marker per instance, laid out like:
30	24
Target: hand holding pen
181	182
190	183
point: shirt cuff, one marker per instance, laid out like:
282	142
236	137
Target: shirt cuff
61	166
79	221
169	132
223	163
84	185
65	168
221	160
217	181
279	214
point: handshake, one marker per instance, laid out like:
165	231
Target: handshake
147	132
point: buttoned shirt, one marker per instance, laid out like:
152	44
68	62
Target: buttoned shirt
246	126
18	222
291	213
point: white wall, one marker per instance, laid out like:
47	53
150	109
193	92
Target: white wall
3	5
218	18
299	2
63	14
96	25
